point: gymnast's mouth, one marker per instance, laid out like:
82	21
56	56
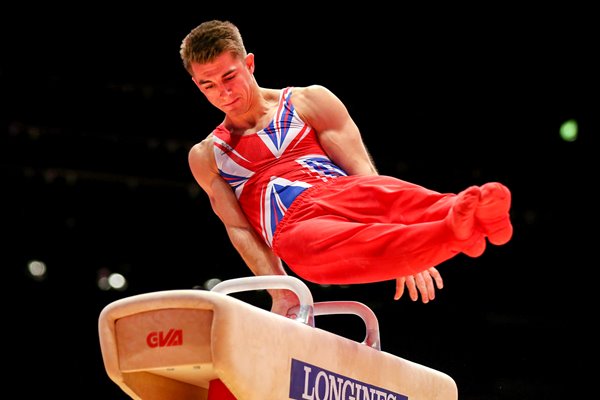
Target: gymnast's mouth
227	105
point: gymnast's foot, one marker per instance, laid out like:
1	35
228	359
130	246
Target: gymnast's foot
461	218
493	212
477	248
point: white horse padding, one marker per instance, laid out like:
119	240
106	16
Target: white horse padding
171	344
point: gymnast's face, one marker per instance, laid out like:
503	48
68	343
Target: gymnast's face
227	82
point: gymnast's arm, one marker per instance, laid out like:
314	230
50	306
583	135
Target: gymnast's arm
254	251
342	141
338	134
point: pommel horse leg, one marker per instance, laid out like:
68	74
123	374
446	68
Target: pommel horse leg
206	345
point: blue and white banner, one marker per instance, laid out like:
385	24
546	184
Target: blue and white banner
309	382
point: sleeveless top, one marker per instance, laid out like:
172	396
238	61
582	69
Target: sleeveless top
270	168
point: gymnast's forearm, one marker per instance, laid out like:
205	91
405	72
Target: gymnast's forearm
259	258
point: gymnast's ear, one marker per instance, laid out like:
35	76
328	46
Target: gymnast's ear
250	62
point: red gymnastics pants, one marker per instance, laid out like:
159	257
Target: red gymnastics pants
362	229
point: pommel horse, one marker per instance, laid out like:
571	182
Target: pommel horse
206	345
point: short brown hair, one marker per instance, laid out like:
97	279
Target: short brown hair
210	39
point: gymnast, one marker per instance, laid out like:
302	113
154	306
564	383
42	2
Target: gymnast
288	174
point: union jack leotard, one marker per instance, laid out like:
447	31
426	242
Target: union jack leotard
268	169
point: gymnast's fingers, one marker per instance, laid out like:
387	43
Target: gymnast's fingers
437	277
424	283
412	288
399	288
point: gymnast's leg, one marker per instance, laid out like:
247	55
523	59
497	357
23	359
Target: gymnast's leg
375	229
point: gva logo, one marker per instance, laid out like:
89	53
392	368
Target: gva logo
174	337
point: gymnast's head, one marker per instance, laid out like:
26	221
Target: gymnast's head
210	39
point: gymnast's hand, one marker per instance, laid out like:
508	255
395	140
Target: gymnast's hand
284	301
422	282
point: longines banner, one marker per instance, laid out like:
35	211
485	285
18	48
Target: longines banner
309	382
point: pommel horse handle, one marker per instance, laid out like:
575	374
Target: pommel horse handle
305	313
372	338
307	309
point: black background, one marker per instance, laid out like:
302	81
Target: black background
99	115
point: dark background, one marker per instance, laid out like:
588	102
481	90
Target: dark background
99	115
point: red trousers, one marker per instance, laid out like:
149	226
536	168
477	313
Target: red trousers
361	229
